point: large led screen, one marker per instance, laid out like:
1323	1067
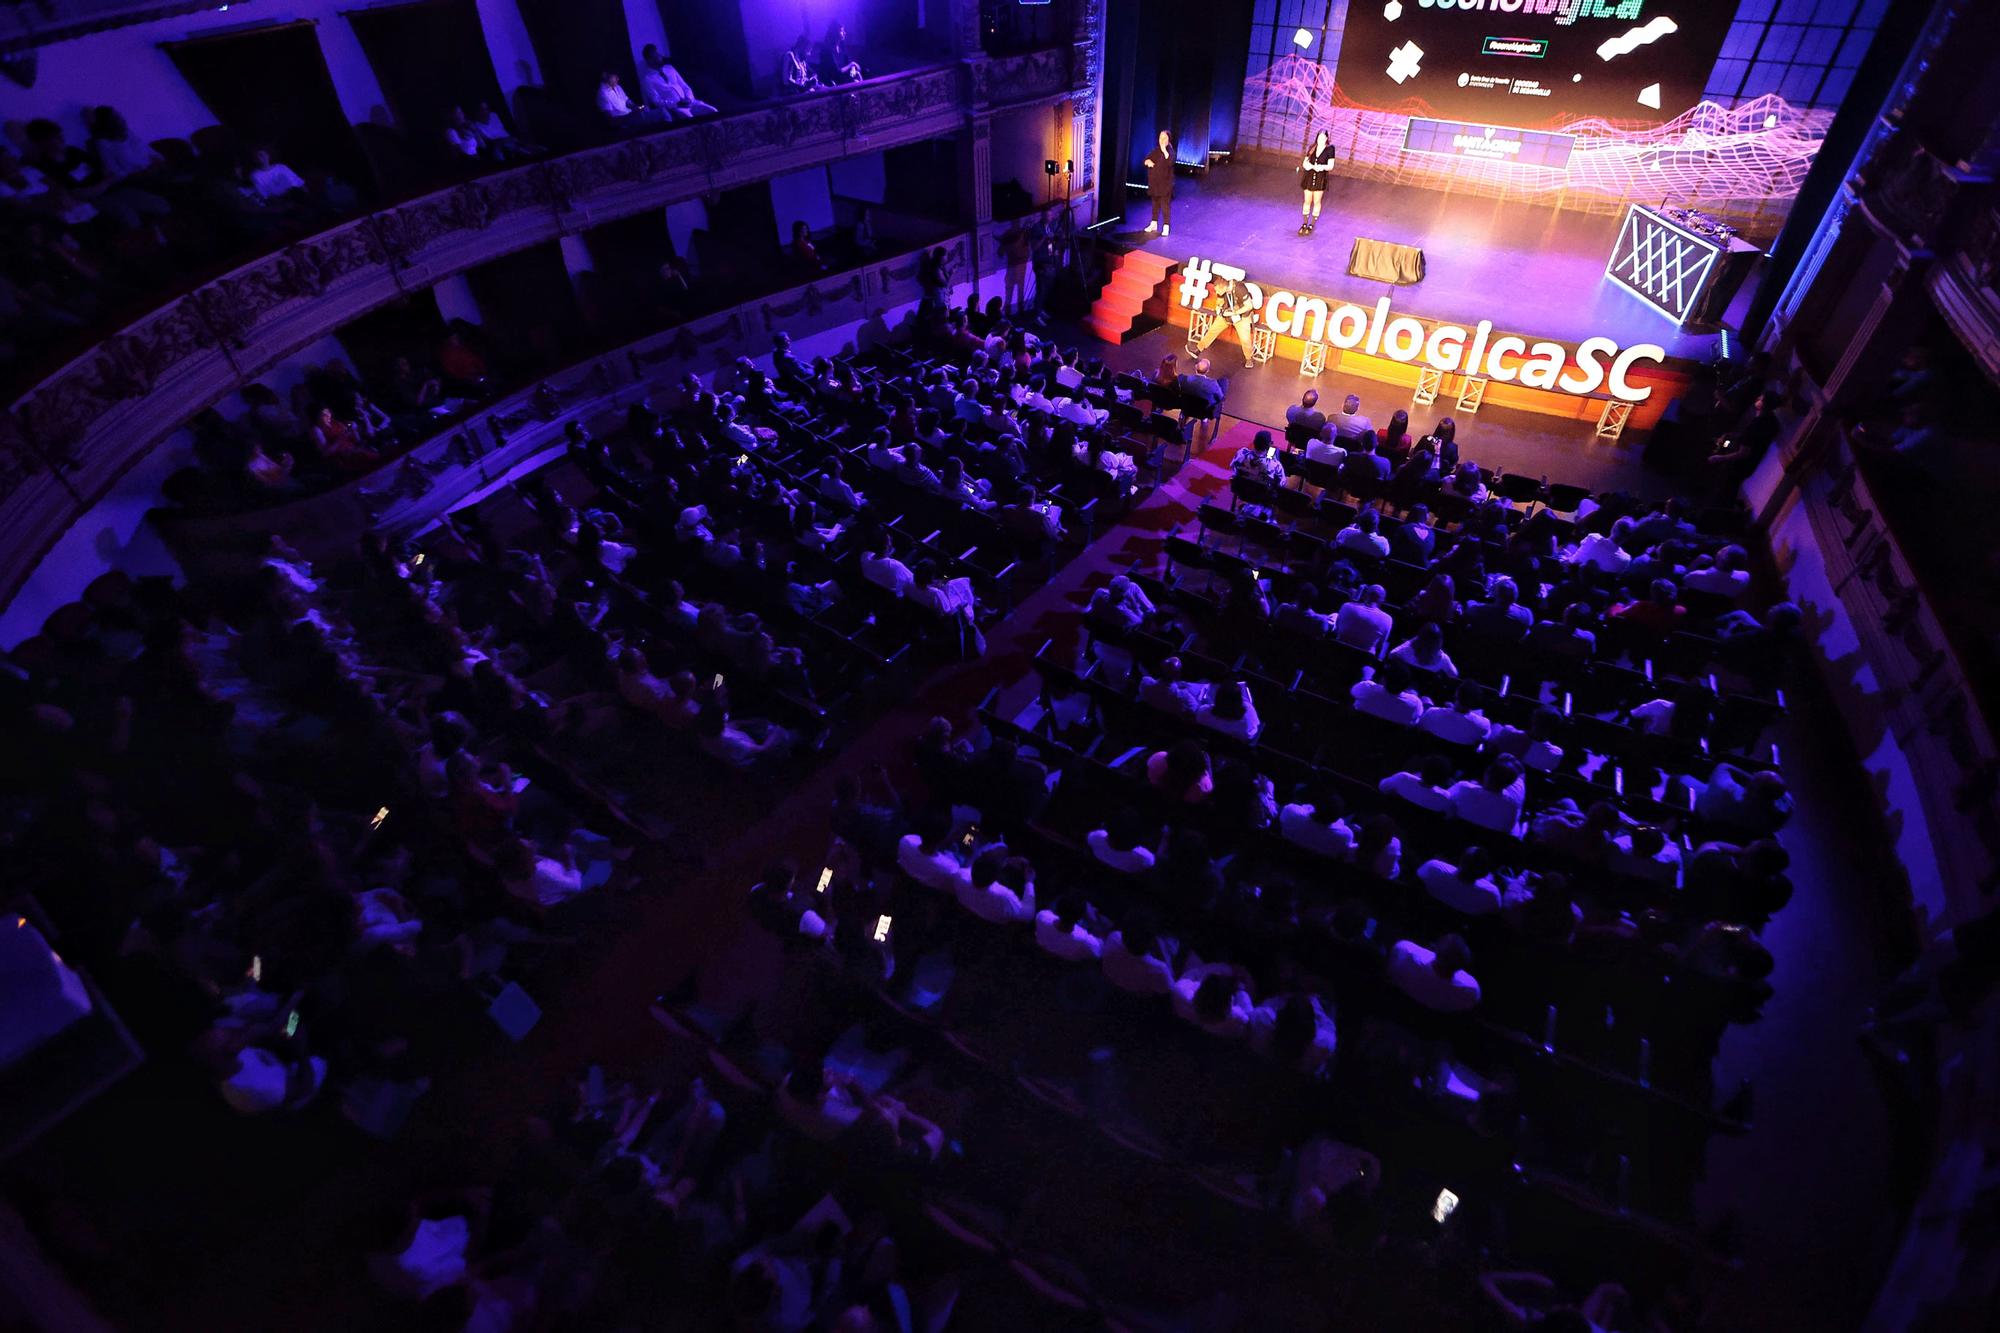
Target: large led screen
1529	63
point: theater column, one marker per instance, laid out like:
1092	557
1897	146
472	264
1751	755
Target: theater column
1086	104
975	171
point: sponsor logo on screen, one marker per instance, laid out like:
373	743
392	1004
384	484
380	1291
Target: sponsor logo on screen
1594	364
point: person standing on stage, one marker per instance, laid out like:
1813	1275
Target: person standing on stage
1235	309
1160	185
1314	168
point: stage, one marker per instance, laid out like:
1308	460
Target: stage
1530	269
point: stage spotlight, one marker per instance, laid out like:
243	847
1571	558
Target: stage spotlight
1770	122
1302	39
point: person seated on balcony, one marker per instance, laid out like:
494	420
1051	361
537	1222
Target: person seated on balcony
837	62
802	252
620	109
339	444
122	160
461	364
274	181
499	142
409	393
460	139
124	206
795	73
666	89
269	475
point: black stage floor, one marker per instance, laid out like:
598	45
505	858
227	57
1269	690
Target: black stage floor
1532	270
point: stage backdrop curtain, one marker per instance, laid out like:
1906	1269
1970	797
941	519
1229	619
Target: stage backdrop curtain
1185	76
269	88
429	57
576	41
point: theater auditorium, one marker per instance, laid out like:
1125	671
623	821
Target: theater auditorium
944	666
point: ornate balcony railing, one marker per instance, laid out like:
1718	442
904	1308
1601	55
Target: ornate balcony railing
66	441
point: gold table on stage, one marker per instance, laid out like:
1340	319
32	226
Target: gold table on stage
1385	261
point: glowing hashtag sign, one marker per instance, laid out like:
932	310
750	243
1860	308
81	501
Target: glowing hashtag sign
1195	275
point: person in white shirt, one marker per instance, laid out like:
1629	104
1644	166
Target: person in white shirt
1363	624
617	104
821	1104
833	487
459	136
1460	723
1213	998
1352	423
1364	536
1169	693
1231	711
1299	1033
1648	853
272	180
1386	692
1654	717
884	570
666	89
1135	960
1317	826
1425	788
928	858
1424	651
545	881
1377	847
1467	887
1536	747
1724	576
1064	931
1436	978
999	888
741	745
1120	844
1599	551
1494	802
1324	450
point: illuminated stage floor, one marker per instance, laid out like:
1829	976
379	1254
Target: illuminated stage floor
1531	270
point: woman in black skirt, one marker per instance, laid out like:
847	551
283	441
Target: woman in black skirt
1318	159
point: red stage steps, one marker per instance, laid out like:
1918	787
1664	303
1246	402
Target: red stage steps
1136	276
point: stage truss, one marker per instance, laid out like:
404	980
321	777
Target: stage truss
1744	163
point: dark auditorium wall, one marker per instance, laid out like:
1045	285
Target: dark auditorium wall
269	87
429	56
